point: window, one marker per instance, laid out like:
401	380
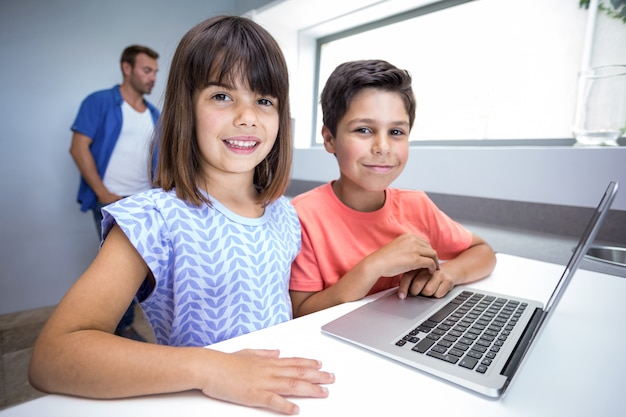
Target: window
484	71
488	69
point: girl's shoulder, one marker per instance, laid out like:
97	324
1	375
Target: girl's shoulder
151	195
158	198
152	203
167	205
281	208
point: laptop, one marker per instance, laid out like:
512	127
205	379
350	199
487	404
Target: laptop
472	338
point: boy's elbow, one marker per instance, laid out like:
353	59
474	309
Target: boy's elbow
490	260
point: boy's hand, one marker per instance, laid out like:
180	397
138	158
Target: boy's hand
405	253
422	282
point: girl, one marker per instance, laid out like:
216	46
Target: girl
207	253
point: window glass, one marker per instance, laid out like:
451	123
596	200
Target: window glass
488	69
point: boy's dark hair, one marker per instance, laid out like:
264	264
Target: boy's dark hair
349	78
130	53
222	50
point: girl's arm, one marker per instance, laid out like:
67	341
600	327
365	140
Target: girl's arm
78	354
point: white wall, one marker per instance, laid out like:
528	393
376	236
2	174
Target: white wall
553	175
54	52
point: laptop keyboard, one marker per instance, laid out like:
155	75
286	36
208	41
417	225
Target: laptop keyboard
469	331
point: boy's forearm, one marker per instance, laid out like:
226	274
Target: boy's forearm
473	264
354	285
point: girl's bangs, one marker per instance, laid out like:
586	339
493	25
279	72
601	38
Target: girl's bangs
235	64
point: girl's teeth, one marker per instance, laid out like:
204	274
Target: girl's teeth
241	144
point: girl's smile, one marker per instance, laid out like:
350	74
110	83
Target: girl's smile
242	145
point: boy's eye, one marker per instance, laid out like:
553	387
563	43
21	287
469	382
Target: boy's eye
396	132
364	130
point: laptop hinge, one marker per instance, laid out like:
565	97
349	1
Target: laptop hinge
522	345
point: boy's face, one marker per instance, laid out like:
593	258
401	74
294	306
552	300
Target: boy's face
371	145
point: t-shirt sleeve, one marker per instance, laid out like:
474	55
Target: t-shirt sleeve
306	274
142	222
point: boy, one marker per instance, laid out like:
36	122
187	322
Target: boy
358	235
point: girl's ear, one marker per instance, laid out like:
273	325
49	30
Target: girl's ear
329	140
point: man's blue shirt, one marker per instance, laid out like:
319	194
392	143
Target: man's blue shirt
100	118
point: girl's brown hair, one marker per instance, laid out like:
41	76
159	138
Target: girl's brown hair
223	49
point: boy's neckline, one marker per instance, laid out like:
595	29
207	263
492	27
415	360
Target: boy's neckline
360	206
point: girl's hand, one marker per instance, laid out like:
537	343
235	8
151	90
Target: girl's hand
259	378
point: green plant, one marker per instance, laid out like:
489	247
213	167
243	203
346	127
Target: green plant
614	8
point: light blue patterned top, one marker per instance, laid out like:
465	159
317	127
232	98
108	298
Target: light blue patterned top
218	275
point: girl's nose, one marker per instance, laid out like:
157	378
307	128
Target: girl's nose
246	115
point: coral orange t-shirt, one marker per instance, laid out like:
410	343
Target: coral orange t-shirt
336	237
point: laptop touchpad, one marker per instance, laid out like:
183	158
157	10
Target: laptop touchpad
409	308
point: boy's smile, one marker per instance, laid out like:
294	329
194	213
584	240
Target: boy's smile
371	146
380	168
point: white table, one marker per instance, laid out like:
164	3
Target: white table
569	372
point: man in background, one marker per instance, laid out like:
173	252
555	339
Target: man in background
111	140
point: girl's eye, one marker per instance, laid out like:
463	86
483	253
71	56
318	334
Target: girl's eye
265	102
220	97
